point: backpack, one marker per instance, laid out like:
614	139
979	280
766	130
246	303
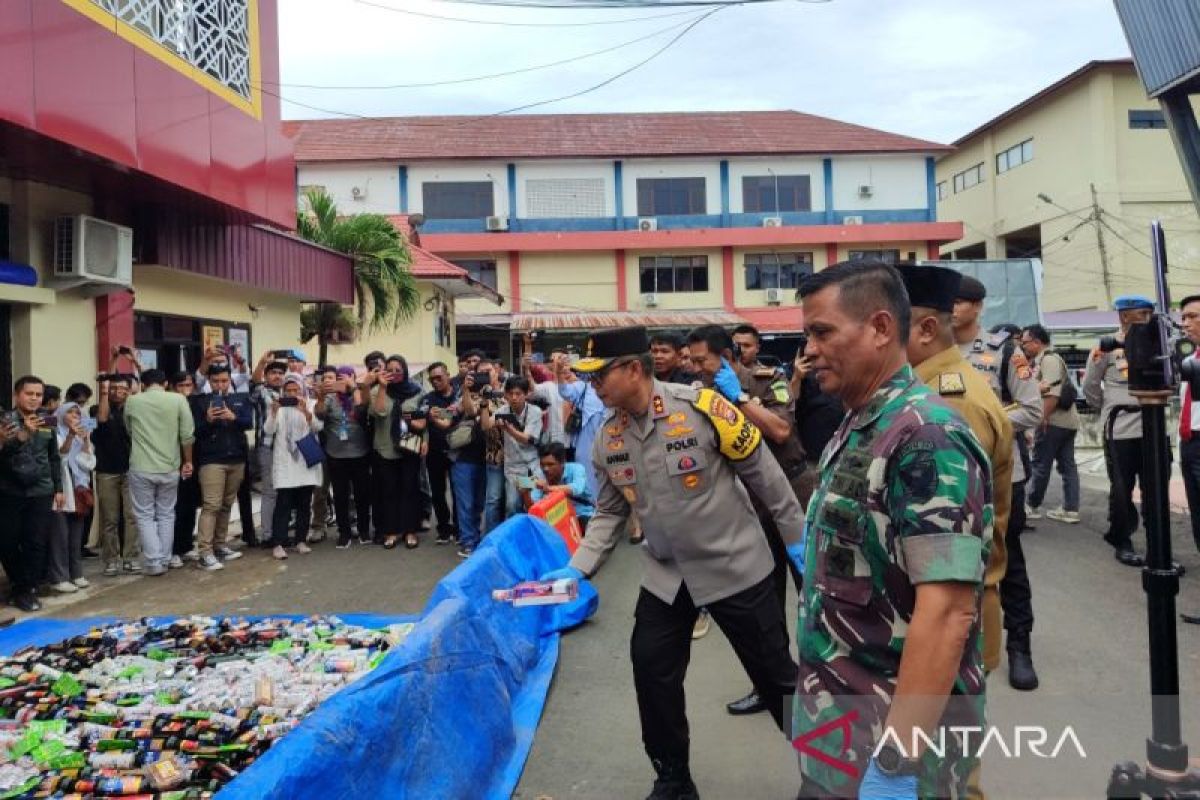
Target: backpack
1066	400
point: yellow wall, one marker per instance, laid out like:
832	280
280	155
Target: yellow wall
683	300
415	339
1081	138
568	281
479	305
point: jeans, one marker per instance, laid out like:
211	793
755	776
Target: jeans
348	475
66	540
1189	455
23	523
1055	444
112	495
469	482
298	499
154	495
219	485
438	466
493	504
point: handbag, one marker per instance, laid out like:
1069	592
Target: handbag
84	500
310	448
410	443
461	434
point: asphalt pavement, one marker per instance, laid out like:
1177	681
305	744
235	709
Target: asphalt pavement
1090	646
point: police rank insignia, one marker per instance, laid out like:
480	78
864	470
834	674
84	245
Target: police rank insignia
678	418
951	383
660	408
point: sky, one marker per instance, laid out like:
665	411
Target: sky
935	69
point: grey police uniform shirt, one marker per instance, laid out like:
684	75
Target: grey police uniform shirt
1106	386
678	466
1025	409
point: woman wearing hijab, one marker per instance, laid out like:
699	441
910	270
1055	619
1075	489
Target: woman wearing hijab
343	409
397	440
66	525
290	420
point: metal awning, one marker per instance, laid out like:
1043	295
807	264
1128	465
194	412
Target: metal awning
590	320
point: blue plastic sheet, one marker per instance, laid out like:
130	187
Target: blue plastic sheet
451	713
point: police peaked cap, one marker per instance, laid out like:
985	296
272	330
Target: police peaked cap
932	287
971	289
1132	302
607	344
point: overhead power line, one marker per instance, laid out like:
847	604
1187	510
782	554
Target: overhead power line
688	28
509	24
617	4
494	75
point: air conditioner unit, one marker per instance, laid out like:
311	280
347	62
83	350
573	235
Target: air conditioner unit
866	190
357	192
497	223
90	250
852	220
647	224
772	222
650	300
774	296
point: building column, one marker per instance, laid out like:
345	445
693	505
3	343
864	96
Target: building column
622	282
514	281
932	251
831	253
727	277
114	324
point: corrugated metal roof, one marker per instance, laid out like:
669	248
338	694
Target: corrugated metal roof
590	136
590	320
780	319
1164	36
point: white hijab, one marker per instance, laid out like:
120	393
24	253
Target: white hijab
79	464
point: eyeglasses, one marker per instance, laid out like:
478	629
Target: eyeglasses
601	374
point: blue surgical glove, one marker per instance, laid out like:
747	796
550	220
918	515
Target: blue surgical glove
726	382
560	574
877	786
795	552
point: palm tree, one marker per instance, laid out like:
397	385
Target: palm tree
385	293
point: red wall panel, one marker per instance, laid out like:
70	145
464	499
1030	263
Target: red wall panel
73	79
16	62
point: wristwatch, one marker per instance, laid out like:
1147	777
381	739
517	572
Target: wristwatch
893	763
742	399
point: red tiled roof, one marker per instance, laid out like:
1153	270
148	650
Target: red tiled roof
427	266
590	136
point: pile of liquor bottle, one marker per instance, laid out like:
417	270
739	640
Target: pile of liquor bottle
169	710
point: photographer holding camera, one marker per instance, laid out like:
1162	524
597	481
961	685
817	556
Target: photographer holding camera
1106	387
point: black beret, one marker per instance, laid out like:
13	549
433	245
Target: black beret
932	287
608	343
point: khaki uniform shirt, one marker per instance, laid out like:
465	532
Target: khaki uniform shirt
1050	369
1025	406
678	467
966	391
1106	387
768	388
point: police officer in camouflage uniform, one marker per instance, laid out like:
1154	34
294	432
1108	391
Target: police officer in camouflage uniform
762	394
679	457
898	534
1003	363
1106	387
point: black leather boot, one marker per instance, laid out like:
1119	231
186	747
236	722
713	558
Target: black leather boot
674	781
1021	674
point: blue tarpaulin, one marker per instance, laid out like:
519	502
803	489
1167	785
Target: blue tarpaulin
449	713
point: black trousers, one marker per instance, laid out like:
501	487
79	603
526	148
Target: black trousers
186	505
1016	596
299	500
660	649
245	509
783	564
1123	457
396	493
438	464
1189	455
24	529
347	475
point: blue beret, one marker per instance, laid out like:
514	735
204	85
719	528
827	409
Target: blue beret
1131	302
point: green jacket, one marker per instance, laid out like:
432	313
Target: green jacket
32	468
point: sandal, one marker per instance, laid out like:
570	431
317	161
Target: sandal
389	543
411	541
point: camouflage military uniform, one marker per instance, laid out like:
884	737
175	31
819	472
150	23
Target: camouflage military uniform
967	392
905	497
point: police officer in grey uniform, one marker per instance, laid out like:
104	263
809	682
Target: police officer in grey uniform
1001	361
1106	386
678	456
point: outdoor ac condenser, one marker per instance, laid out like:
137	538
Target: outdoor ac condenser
90	250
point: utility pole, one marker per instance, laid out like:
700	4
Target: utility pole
1103	249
